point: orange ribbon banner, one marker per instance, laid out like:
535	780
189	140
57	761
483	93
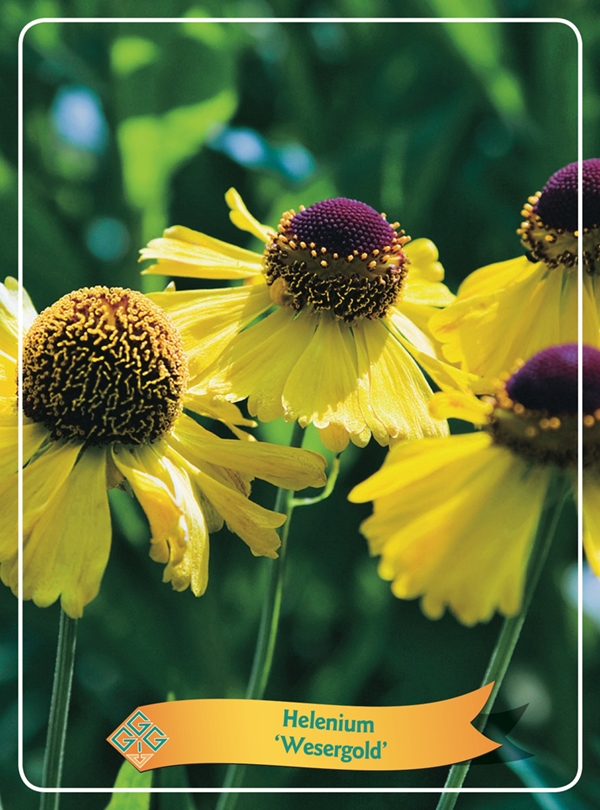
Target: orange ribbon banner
304	735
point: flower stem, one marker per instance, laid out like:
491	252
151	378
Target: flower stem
511	628
59	710
269	622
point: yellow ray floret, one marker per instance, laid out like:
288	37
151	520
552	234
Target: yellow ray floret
442	532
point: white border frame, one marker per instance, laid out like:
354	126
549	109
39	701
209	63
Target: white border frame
304	20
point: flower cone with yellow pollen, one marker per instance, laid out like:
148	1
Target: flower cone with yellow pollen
454	518
331	328
515	308
104	386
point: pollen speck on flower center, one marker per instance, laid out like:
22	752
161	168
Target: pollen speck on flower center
337	255
104	365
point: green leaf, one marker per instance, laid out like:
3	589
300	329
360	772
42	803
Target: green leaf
153	146
482	47
130	777
130	53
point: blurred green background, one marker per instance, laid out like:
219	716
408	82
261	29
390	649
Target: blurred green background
130	127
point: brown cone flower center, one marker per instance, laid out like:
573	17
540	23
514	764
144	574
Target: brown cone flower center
337	255
104	365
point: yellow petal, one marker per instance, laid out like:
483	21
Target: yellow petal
322	388
483	331
34	435
9	316
445	535
43	478
206	405
8	375
184	252
191	568
156	497
408	462
591	522
494	278
425	352
9	332
397	392
423	256
285	467
424	292
209	319
8	405
248	520
243	219
275	343
67	550
460	405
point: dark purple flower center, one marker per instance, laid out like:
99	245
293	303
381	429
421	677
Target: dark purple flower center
343	226
557	206
548	381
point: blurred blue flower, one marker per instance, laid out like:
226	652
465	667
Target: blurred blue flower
78	118
296	162
248	148
107	238
245	146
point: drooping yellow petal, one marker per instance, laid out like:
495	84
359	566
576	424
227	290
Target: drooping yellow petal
34	436
42	479
493	278
482	331
227	412
258	362
460	405
442	531
254	524
156	497
285	467
184	252
397	393
398	322
66	553
243	219
322	388
423	256
424	292
591	521
487	564
209	319
8	375
191	568
9	332
426	353
407	462
9	316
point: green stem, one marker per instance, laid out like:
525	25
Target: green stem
511	628
59	710
267	633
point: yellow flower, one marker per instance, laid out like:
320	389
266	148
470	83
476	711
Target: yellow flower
454	518
515	308
329	327
104	386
